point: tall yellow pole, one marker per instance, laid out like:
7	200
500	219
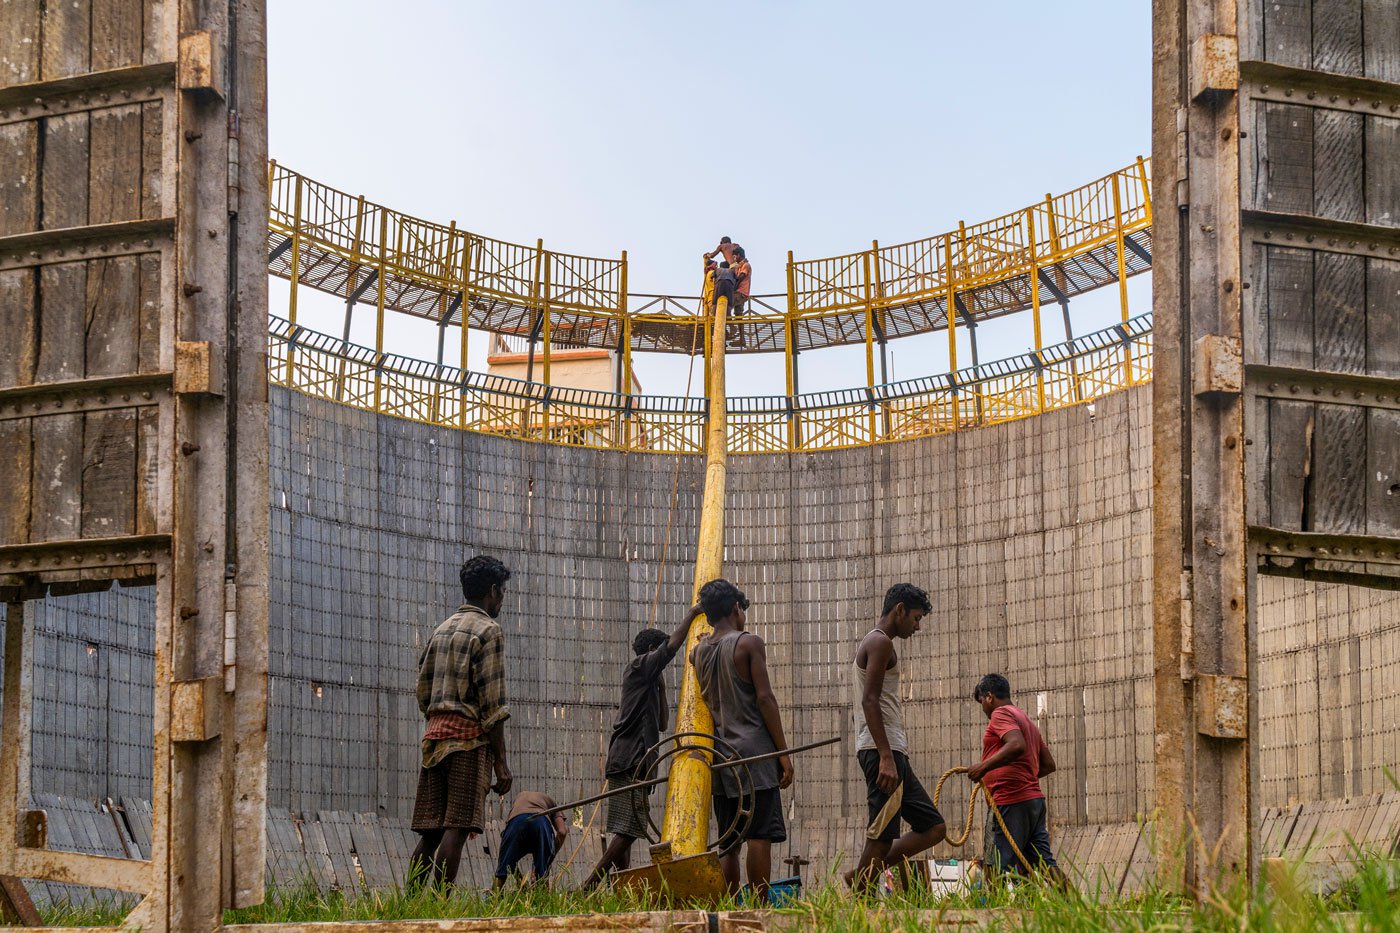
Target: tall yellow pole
790	357
1122	273
686	825
379	308
951	300
626	361
467	244
1035	309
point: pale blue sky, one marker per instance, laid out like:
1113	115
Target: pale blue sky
656	127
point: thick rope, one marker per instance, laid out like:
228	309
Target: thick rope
958	842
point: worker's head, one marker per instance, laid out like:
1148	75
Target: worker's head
739	253
992	691
724	265
905	606
483	583
723	600
648	640
725	239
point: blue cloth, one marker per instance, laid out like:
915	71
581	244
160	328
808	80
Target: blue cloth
527	834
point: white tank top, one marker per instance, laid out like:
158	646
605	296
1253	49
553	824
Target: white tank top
891	711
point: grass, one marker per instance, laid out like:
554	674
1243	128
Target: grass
1367	901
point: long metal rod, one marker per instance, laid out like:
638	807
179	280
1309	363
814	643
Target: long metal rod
653	782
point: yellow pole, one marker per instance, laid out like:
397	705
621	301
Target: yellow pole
379	310
626	360
686	825
950	299
869	345
1035	309
1122	274
1146	189
296	278
469	240
790	357
544	333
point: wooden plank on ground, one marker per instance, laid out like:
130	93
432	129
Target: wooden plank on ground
318	856
376	866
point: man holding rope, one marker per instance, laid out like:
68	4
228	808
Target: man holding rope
1014	759
882	745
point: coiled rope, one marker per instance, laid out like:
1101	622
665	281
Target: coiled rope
959	841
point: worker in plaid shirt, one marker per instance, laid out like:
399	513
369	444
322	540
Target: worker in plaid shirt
461	693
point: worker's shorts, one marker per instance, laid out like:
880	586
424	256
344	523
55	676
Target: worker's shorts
915	806
766	822
628	812
1026	821
738	304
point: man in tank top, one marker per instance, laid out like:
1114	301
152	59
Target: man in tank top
893	790
731	666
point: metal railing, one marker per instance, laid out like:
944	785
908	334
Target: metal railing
1054	377
1095	235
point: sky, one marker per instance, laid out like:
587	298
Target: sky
657	127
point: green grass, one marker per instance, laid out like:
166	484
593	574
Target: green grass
1368	901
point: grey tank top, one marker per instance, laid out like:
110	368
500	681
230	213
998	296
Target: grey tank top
734	706
891	711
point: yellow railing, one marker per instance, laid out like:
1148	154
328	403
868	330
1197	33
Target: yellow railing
1055	377
1093	236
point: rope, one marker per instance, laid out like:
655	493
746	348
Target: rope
958	842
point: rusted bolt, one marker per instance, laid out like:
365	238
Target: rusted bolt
1231	443
188	448
192	290
192	135
187	613
1229	286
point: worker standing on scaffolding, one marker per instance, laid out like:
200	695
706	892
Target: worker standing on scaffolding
742	274
726	248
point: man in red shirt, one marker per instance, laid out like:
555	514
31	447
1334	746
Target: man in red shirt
1014	759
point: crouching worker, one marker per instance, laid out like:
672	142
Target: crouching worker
528	832
1014	759
641	716
893	790
731	666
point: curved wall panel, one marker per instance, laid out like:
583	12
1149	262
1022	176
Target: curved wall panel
1032	538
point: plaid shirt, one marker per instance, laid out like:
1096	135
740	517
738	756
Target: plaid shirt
462	669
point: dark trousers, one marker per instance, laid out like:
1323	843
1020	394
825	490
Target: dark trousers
1026	822
527	834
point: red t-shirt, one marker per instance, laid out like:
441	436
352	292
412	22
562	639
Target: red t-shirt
1019	780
